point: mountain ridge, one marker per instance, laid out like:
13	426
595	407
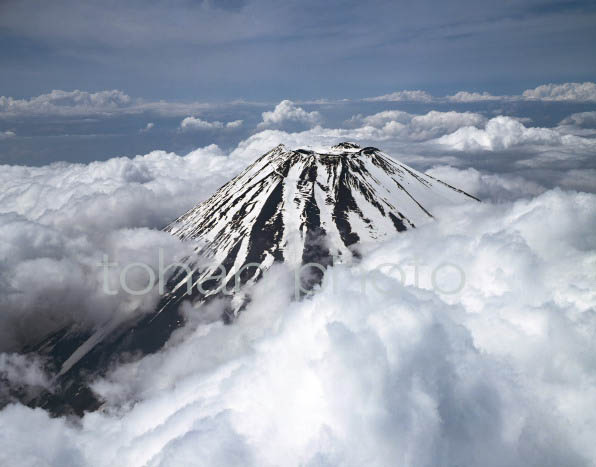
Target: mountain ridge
284	203
291	206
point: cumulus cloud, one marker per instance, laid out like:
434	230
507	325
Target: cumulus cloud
57	222
379	366
23	369
487	186
414	96
447	121
465	96
287	112
115	102
196	124
396	123
24	373
582	119
51	279
581	92
536	157
506	132
563	92
382	118
579	179
579	124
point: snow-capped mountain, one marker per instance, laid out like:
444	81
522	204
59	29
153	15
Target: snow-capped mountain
292	206
301	206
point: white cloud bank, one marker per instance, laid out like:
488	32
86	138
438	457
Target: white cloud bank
57	222
396	123
582	119
23	369
83	103
505	132
519	156
66	103
115	102
465	96
583	92
576	92
397	375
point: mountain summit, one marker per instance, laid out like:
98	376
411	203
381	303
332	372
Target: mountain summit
302	206
292	206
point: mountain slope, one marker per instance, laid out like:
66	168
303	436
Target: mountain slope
301	206
291	206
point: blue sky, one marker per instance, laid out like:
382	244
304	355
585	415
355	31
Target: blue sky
261	49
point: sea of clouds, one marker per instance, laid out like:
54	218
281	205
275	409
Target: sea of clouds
378	367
